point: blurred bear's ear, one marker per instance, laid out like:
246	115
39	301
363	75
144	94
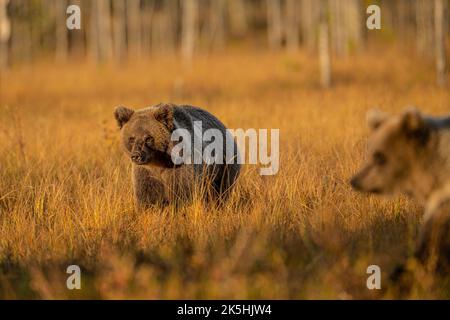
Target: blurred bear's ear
412	119
122	115
164	114
375	118
414	125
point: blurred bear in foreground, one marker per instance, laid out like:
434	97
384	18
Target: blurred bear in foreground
161	175
410	154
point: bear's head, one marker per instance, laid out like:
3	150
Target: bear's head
146	134
398	153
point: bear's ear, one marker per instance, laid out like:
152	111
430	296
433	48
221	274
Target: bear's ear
375	118
122	115
414	125
164	114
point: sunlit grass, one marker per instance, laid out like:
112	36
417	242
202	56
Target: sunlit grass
66	198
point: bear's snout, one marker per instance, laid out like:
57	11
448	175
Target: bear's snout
136	157
140	158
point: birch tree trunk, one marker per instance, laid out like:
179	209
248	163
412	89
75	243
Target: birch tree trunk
148	26
338	30
100	29
440	38
119	29
5	34
424	26
354	24
134	35
189	28
171	24
20	38
217	24
164	27
292	25
324	46
78	45
104	29
238	17
274	24
62	40
309	18
93	32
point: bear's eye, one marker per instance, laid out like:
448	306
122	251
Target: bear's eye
379	158
131	140
149	141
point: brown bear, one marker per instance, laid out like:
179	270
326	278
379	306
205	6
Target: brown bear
147	137
410	154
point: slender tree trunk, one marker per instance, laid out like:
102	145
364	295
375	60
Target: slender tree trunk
149	23
217	23
100	38
400	20
424	15
104	29
78	45
62	36
309	18
337	31
5	34
134	35
440	38
355	23
164	27
93	32
292	25
424	27
274	24
119	29
421	43
158	34
21	37
345	26
238	17
189	28
324	46
171	24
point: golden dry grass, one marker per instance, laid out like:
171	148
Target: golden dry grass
65	189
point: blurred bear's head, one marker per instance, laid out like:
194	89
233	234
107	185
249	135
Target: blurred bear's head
399	151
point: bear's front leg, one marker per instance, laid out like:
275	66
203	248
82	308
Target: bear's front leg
148	190
434	239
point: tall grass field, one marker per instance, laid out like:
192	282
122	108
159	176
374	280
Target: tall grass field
66	194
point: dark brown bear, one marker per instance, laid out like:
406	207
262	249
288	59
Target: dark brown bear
146	136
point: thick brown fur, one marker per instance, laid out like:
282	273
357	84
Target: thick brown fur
146	137
410	154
